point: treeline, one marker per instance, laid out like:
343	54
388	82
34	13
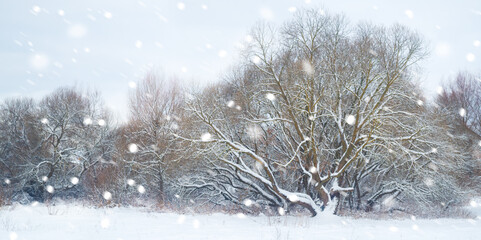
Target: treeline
318	114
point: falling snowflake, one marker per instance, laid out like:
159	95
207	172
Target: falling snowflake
440	90
238	108
101	122
256	59
350	119
39	62
307	67
241	215
132	85
222	53
141	189
44	178
313	169
281	211
87	121
429	182
415	227
462	112
271	97
50	189
470	57
254	132
138	44
434	150
420	102
477	43
61	12
36	9
292	9
108	15
131	182
230	104
133	148
204	7
473	203
74	180
409	14
7	181
181	6
206	137
248	202
248	38
107	195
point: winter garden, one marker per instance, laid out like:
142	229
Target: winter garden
319	129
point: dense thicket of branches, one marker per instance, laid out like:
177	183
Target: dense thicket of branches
317	114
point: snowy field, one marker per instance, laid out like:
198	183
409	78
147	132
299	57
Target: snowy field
70	222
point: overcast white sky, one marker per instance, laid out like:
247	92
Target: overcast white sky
107	44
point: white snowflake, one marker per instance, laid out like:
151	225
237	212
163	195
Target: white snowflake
101	122
50	189
462	112
440	90
350	119
256	59
470	57
204	7
230	104
409	14
44	178
222	53
7	181
254	132
206	137
133	148
108	15
74	180
248	202
271	97
181	6
477	43
313	169
281	211
107	195
131	182
420	102
39	62
141	189
138	44
61	12
292	9
87	121
132	85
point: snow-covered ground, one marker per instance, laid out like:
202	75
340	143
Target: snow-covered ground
70	222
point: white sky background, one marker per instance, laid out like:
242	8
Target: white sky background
106	44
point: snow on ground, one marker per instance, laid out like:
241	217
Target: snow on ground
71	222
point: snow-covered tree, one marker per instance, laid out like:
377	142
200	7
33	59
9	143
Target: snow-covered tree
313	107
